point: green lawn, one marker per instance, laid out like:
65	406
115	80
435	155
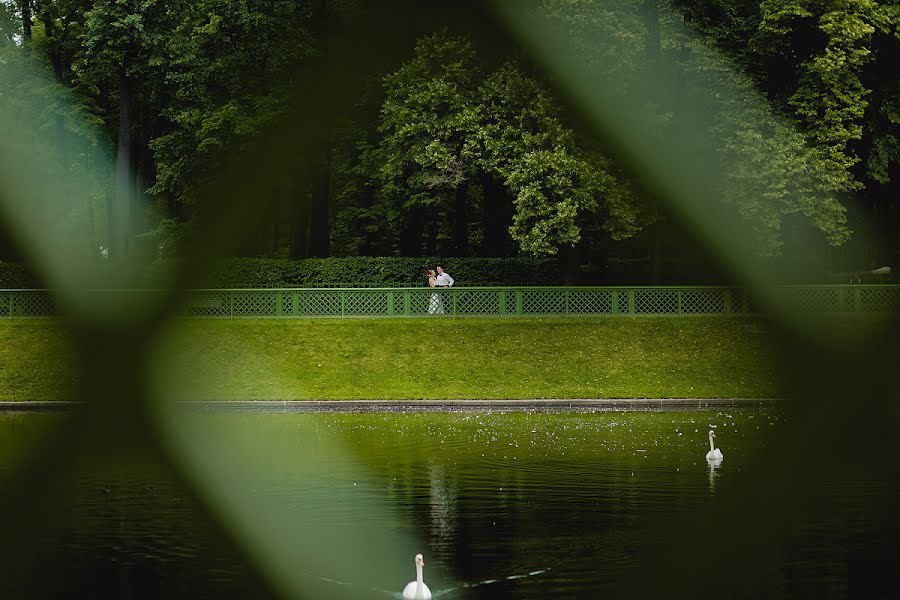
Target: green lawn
439	358
35	360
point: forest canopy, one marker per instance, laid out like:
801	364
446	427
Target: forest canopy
456	140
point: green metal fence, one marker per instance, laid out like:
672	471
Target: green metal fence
493	301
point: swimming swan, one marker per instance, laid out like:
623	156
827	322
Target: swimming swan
417	590
714	453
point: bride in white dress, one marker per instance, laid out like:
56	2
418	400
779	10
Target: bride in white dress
435	306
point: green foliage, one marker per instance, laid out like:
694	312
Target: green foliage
445	126
367	271
550	194
8	25
815	59
830	99
351	271
768	172
228	71
17	276
447	141
124	34
64	130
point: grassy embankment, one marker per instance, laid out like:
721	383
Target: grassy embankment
651	357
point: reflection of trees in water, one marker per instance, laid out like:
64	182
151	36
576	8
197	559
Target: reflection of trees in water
442	510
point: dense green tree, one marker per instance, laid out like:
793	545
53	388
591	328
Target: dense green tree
457	153
230	74
425	151
59	137
124	43
832	67
455	145
765	170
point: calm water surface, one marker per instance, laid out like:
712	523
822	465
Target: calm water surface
503	505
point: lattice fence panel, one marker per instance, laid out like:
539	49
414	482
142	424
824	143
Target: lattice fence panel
430	302
478	302
29	303
256	303
848	296
318	303
510	302
590	302
208	304
496	301
543	302
815	300
287	302
655	302
366	304
754	305
702	301
737	301
879	300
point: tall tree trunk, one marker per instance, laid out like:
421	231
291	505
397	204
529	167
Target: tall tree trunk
25	8
650	13
111	227
568	263
411	233
300	228
274	232
53	52
124	180
657	252
460	220
319	232
497	216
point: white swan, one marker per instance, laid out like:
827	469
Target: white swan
714	453
417	590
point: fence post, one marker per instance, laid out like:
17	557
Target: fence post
501	301
727	293
519	302
615	302
231	304
631	301
390	303
279	312
567	301
343	303
406	302
453	297
295	303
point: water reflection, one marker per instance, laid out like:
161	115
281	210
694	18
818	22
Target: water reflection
443	506
714	463
503	504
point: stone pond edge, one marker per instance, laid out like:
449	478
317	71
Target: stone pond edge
388	405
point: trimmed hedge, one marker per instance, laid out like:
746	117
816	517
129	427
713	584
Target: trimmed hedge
352	271
16	276
365	271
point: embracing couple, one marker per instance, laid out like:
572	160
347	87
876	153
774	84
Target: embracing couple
437	279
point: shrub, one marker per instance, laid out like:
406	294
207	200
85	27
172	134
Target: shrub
353	271
17	276
364	271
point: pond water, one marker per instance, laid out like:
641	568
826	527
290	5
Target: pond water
523	504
